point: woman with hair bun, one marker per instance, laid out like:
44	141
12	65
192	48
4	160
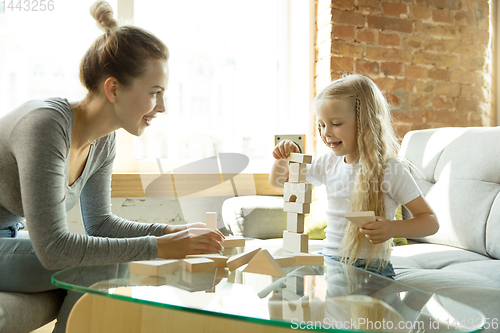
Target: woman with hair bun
54	153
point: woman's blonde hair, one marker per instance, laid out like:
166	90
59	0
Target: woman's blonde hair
377	144
121	52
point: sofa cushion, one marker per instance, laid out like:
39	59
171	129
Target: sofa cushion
458	174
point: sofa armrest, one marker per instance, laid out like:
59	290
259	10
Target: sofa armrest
255	216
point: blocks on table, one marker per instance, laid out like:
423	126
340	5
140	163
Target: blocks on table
241	259
360	218
154	267
299	158
295	243
219	260
297	172
295	222
233	241
297	192
211	220
264	263
297	207
198	265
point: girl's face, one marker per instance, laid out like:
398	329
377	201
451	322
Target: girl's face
139	103
338	127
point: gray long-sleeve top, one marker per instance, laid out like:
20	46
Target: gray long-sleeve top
35	141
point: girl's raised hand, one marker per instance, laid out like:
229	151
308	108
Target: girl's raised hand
175	228
177	245
379	231
284	148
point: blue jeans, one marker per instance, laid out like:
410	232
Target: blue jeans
22	272
385	269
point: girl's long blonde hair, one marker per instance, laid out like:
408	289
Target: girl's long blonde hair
377	144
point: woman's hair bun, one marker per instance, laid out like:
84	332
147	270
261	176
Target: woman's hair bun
102	12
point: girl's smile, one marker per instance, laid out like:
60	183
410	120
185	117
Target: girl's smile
337	124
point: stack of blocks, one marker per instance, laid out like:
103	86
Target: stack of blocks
297	196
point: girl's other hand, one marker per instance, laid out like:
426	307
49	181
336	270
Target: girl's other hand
284	148
379	231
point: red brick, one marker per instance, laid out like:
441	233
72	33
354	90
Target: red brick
447	4
467	104
436	45
447	89
408	116
348	18
343	32
401	130
369	5
470	49
470	92
394	9
472	63
419	101
389	39
442	31
464	19
415	72
343	4
439	74
366	67
391	68
466	77
389	84
419	12
412	41
389	23
440	102
482	15
365	36
438	60
474	35
336	75
447	118
425	87
442	16
341	64
347	50
392	99
386	54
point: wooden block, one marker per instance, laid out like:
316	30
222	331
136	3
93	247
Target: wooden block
298	299
297	207
285	261
198	265
154	267
360	218
295	284
295	243
264	263
211	220
297	172
241	259
233	242
297	192
295	222
300	158
219	261
309	259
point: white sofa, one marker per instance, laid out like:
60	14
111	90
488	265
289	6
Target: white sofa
460	178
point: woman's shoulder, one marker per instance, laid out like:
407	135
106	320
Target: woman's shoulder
43	110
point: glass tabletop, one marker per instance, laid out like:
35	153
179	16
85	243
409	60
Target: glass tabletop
317	298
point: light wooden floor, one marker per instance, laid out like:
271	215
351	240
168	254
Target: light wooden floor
46	329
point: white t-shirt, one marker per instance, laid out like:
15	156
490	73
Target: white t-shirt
339	178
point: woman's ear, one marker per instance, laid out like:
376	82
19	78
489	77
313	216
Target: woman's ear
110	87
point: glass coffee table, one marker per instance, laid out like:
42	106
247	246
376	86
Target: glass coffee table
333	297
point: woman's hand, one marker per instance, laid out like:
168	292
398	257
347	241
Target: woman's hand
190	240
284	148
378	231
176	228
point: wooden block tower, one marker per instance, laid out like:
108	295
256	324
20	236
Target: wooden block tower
297	196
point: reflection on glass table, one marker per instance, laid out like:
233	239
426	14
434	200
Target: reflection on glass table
330	297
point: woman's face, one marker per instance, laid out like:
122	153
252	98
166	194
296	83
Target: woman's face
138	104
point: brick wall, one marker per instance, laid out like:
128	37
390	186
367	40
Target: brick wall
432	58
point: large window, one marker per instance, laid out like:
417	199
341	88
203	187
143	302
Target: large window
239	73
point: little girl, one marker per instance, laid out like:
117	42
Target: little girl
362	173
